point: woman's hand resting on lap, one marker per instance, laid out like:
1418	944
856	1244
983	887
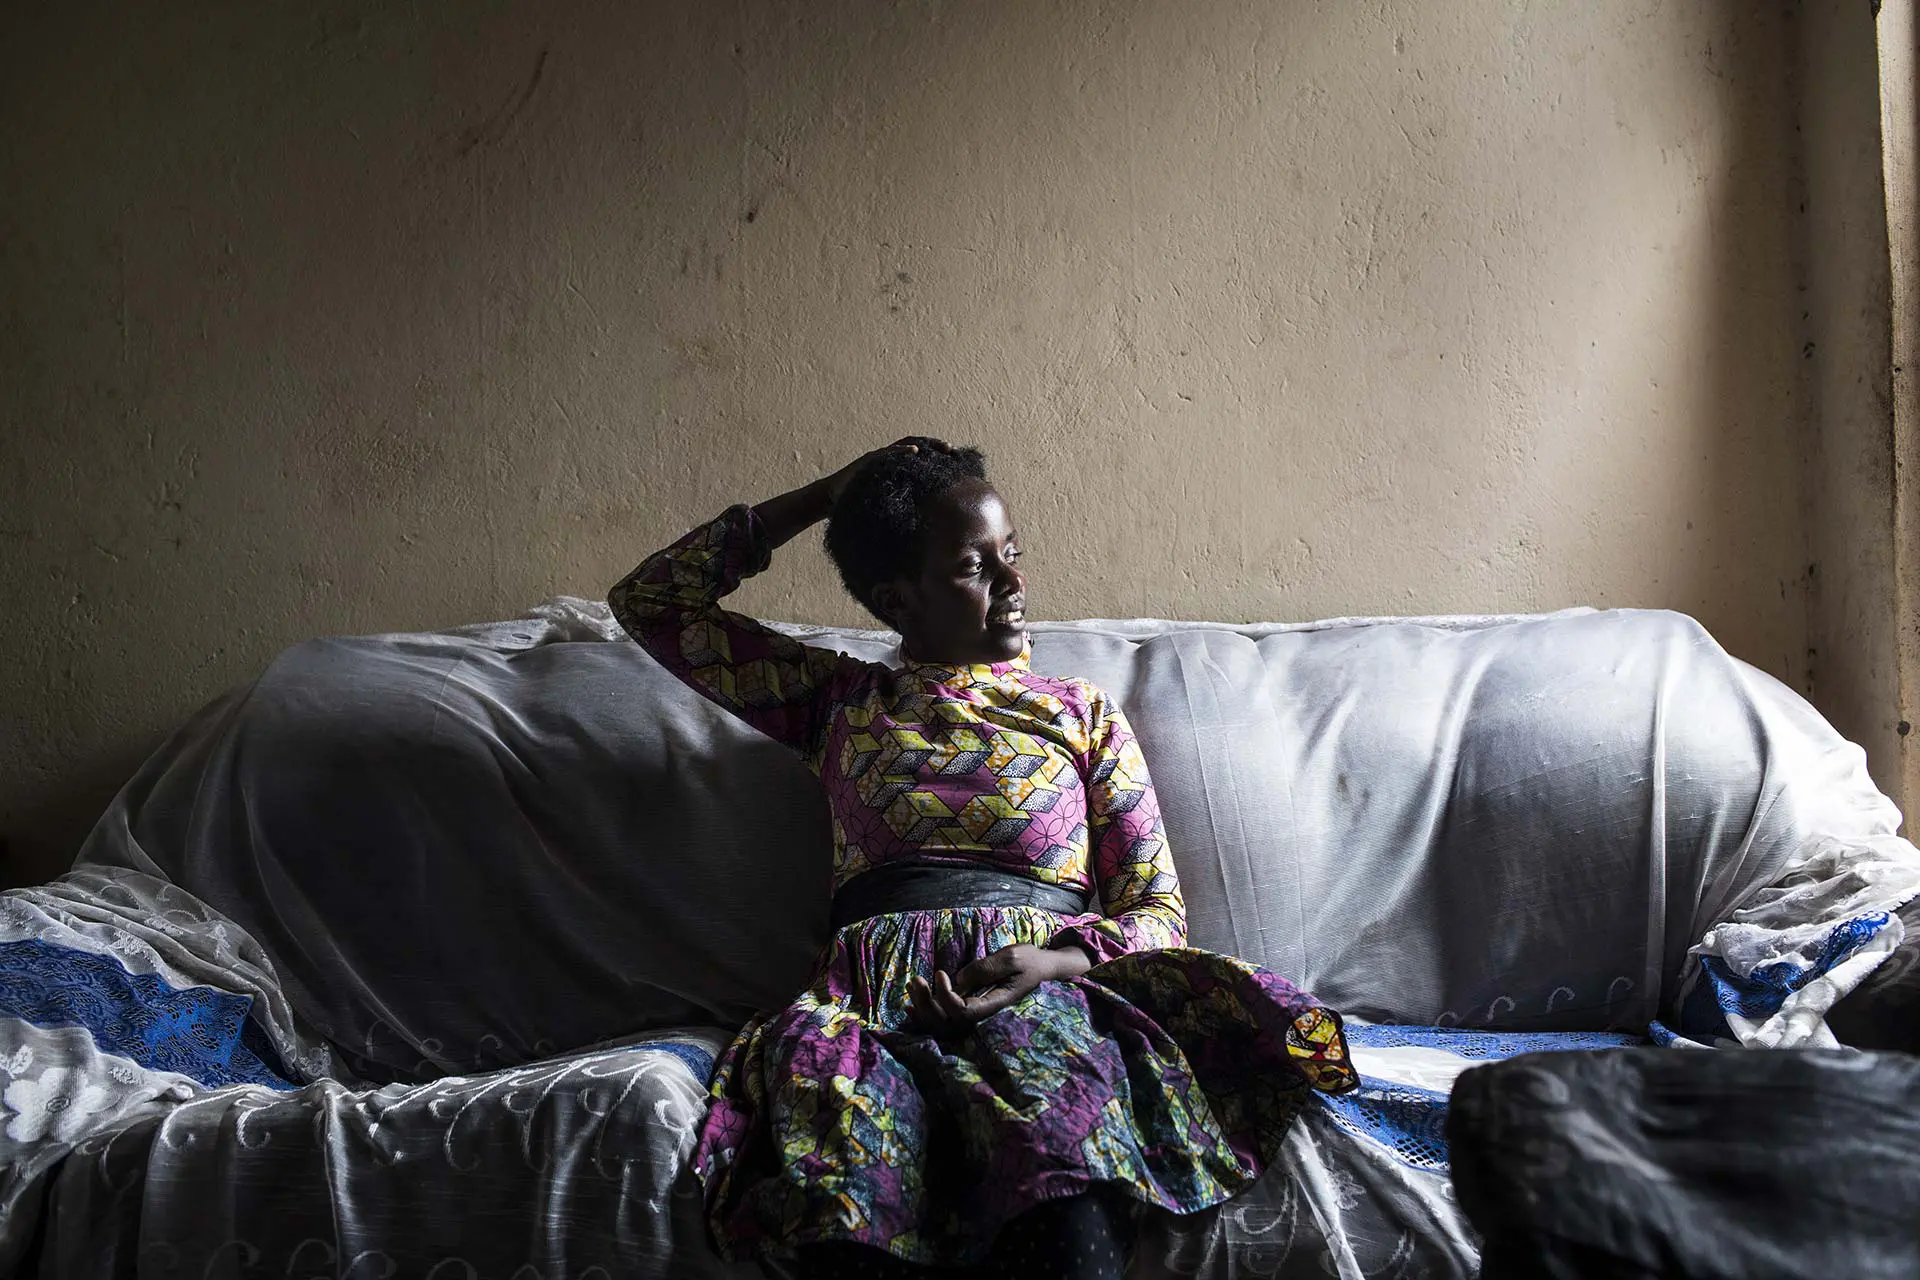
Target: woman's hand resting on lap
950	1005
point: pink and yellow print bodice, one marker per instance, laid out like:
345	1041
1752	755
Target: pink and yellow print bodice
986	765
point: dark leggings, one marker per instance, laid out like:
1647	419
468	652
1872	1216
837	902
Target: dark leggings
1079	1238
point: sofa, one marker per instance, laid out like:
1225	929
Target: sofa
411	956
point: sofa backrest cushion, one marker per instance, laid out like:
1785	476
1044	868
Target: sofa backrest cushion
471	849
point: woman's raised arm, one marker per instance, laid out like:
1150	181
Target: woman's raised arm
670	604
799	509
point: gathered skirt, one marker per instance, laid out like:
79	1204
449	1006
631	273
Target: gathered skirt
1170	1076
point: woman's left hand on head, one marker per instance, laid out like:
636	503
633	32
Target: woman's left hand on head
988	985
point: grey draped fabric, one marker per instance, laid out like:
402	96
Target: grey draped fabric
1642	1163
562	1166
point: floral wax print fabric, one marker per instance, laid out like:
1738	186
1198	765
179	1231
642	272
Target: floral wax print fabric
1172	1074
1167	1072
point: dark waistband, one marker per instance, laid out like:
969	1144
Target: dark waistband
885	890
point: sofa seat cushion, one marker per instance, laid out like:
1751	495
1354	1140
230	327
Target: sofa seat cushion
551	1168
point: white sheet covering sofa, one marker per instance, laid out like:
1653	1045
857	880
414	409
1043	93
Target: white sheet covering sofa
481	905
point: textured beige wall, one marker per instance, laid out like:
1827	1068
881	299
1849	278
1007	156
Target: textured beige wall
1898	698
1852	618
340	317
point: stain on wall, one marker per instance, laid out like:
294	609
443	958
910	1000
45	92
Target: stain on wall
341	317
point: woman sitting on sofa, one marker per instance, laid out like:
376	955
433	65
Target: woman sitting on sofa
986	1072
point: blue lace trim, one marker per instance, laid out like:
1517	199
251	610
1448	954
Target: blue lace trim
1482	1046
1757	997
1664	1037
696	1057
1761	993
1411	1122
202	1033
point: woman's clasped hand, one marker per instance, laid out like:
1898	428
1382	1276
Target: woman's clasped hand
948	1005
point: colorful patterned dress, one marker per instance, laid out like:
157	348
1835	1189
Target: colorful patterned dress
1167	1072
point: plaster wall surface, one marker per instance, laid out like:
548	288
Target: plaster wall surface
338	317
1899	39
1854	611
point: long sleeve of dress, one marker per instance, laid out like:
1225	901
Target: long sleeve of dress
1131	862
670	605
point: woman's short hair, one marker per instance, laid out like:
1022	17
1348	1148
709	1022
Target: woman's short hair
878	528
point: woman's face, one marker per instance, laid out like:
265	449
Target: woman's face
968	602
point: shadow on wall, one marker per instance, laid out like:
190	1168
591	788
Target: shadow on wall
1736	484
38	841
1755	314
